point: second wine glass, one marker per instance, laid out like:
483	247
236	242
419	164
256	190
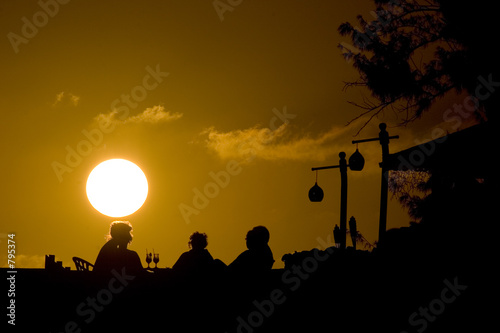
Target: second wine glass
156	258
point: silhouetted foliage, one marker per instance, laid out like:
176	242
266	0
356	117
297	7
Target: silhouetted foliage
411	188
362	240
415	52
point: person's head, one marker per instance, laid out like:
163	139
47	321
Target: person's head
198	241
121	232
257	237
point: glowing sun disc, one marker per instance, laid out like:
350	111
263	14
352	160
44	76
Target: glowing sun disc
117	188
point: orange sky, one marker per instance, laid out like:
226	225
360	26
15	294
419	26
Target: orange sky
188	93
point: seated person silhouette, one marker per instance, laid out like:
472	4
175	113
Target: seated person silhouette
259	257
196	260
115	255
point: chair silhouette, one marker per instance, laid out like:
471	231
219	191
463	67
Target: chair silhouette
83	265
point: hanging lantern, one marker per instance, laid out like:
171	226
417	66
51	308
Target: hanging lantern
356	161
316	193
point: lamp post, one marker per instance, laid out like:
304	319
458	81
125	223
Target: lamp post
383	138
316	193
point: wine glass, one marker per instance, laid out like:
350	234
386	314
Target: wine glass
148	258
156	258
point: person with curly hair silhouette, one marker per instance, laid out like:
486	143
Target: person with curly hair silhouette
197	259
114	254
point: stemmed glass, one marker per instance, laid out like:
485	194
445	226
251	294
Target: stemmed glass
148	258
156	258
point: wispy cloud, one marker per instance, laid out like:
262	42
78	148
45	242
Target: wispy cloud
30	261
153	115
278	144
243	144
64	98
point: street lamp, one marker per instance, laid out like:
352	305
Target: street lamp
383	138
316	193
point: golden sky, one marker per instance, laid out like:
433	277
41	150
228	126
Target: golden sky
188	92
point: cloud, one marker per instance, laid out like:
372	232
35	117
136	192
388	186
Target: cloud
30	261
278	144
154	115
64	98
243	144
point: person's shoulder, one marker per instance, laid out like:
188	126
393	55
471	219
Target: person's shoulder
108	246
245	254
132	253
184	256
207	253
242	258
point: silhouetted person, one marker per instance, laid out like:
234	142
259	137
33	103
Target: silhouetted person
197	259
259	257
115	255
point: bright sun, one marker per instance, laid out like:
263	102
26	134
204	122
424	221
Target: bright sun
117	188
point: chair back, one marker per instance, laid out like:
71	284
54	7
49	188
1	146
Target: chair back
82	265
